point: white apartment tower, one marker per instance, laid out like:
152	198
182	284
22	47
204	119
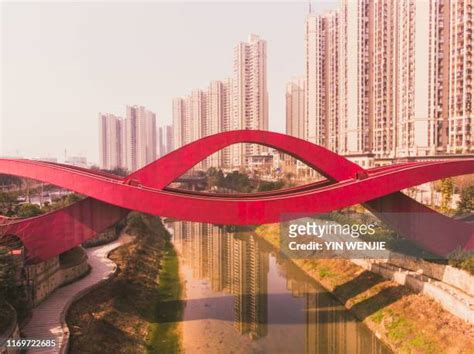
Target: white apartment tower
179	115
315	79
168	132
139	137
416	53
218	115
383	83
354	87
203	113
110	141
460	111
332	79
165	140
295	108
249	95
322	78
130	143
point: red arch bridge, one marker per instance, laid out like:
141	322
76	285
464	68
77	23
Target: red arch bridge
110	198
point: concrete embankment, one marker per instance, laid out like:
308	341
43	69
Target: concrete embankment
397	304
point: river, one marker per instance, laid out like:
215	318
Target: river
242	297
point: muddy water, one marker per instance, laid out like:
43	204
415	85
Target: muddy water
242	297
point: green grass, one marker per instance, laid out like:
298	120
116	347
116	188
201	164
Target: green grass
325	272
402	331
423	344
378	316
164	333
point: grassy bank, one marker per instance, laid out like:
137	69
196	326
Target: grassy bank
117	316
165	334
406	321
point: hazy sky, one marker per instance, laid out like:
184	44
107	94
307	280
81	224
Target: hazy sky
64	62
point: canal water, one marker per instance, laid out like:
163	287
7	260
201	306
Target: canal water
242	297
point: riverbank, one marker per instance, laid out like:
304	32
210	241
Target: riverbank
407	322
47	320
117	317
165	333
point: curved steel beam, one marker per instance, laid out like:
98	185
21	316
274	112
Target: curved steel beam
145	191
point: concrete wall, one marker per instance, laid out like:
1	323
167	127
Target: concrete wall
455	277
45	277
73	273
452	299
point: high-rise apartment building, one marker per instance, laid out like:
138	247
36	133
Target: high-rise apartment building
460	65
240	102
161	142
130	143
199	123
322	78
110	141
315	79
165	140
355	77
139	137
168	132
249	95
295	108
383	68
203	113
332	74
181	120
389	78
414	56
218	116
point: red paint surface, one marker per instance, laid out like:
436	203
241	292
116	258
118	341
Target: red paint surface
347	184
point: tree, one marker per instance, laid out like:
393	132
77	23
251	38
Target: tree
447	187
7	180
270	186
72	198
28	210
466	202
11	289
7	274
215	177
119	171
237	181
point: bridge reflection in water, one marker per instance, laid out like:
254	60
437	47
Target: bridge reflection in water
242	297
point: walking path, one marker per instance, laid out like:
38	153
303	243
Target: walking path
49	318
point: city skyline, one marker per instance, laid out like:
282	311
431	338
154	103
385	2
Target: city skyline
80	57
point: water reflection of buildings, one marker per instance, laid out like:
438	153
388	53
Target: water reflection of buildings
238	264
330	328
232	263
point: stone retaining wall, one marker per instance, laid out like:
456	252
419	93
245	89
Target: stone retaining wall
449	275
70	274
46	277
451	298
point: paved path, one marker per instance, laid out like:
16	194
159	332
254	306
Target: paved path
48	320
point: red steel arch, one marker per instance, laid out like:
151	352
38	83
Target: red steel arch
145	190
